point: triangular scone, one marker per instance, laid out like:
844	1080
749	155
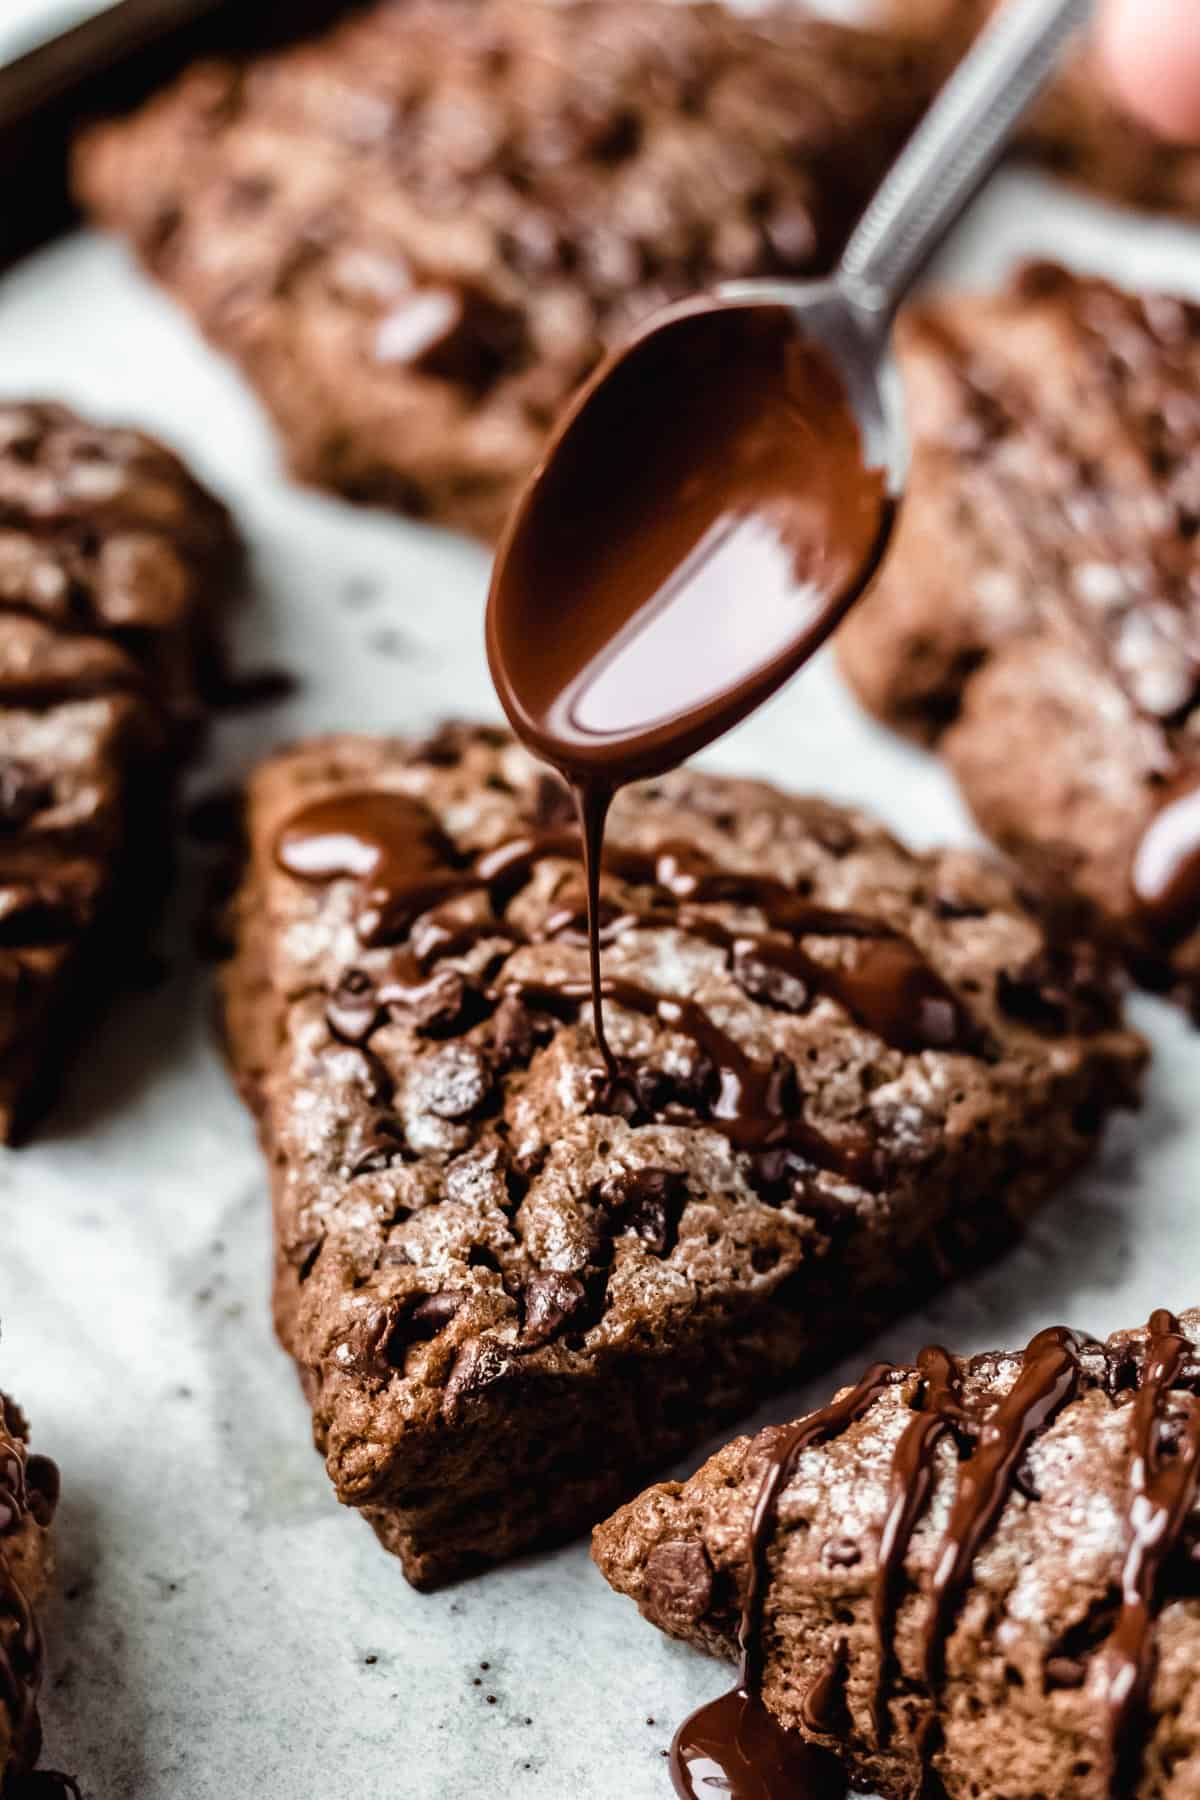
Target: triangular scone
980	1578
512	1290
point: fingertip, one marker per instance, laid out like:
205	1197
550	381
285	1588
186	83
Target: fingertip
1150	50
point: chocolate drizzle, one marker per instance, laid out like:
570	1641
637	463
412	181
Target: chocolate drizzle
746	1750
28	1490
389	844
1164	1487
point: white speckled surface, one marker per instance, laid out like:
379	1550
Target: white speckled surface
218	1608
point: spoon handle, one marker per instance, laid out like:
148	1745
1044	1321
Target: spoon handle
951	152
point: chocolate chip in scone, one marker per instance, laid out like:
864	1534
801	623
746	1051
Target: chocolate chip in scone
1064	1672
375	1344
353	1007
453	331
647	1202
552	1300
765	982
434	1005
24	791
431	1315
679	1581
1059	989
513	1033
380	1143
36	912
443	748
477	1365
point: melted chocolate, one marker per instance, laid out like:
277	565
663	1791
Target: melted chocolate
1163	1488
1048	1378
939	1412
735	1746
754	1104
390	845
702	521
388	842
1166	864
28	1489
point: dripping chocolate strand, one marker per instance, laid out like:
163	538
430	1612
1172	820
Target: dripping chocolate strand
818	1428
1048	1378
1163	1488
939	1412
735	1743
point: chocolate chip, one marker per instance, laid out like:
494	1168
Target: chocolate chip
1059	989
764	981
551	1301
377	1341
380	1143
1065	1672
477	1364
513	1033
362	1348
841	1553
353	1008
443	748
456	1082
647	1202
454	332
24	791
679	1582
432	1314
435	1006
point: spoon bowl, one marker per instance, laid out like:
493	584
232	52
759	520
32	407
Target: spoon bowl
709	508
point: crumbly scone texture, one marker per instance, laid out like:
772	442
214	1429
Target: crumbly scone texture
1077	128
1015	1712
1039	615
419	233
506	1302
26	1569
114	568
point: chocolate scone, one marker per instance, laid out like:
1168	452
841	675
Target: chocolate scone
513	1283
1078	128
1039	614
419	233
975	1578
114	568
28	1498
